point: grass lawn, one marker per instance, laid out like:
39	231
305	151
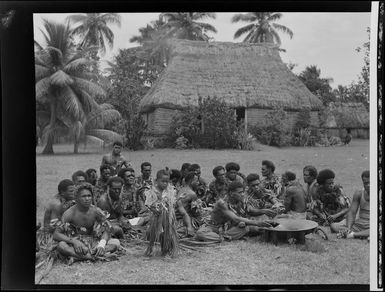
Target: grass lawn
243	262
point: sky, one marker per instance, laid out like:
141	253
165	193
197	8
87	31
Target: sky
327	40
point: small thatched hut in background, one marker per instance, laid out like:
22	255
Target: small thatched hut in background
341	116
251	78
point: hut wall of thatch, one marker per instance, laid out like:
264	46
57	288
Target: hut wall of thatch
347	115
159	121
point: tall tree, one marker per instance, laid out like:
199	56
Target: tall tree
149	32
94	30
311	77
187	25
262	27
62	81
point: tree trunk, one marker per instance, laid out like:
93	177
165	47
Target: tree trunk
48	149
76	146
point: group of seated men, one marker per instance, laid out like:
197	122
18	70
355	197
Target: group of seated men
90	213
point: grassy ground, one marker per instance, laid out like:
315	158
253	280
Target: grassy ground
242	262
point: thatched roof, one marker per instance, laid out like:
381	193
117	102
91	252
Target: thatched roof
242	74
347	115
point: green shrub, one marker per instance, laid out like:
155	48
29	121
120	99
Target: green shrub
274	129
133	129
211	124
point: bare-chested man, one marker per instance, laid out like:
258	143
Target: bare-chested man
101	184
115	160
84	232
186	207
352	227
63	201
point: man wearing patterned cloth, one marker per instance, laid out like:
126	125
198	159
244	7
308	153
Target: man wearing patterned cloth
101	184
145	179
270	180
229	218
112	202
330	204
84	231
218	187
352	227
261	199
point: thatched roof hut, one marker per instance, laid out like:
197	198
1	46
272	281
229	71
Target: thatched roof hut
347	115
249	76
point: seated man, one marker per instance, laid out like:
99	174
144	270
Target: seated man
113	204
218	187
352	227
228	218
84	232
310	178
188	207
79	177
201	185
330	204
133	198
270	180
101	183
92	176
63	201
115	160
129	197
175	179
261	200
232	173
184	171
145	179
294	198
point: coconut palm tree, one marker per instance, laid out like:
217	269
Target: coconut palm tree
62	81
262	27
186	25
149	32
94	30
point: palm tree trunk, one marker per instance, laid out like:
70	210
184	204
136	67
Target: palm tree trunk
48	149
76	146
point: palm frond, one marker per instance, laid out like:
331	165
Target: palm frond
37	45
276	37
206	26
61	79
41	72
91	88
93	139
107	136
102	116
42	88
112	18
71	103
248	17
243	30
283	29
204	15
274	16
77	63
56	55
77	18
